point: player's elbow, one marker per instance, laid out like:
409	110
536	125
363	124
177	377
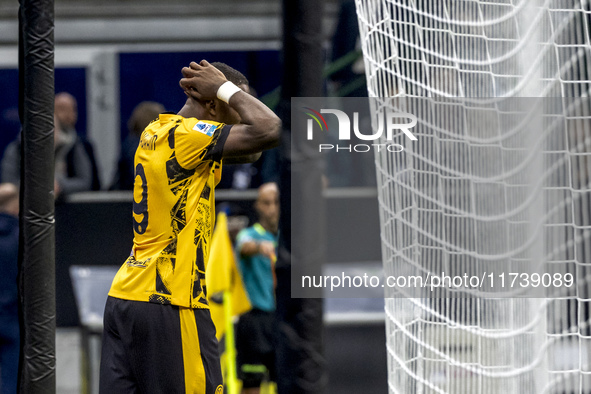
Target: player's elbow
254	157
274	132
266	132
251	158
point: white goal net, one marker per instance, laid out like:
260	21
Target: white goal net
497	187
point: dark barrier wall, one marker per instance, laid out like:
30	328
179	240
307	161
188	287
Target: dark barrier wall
98	231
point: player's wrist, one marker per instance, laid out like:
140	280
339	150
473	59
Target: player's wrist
226	91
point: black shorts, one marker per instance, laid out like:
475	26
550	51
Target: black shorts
255	347
152	348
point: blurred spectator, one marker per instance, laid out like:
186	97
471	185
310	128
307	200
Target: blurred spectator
66	111
73	168
9	324
11	162
143	114
254	332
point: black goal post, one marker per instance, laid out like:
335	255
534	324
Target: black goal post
36	278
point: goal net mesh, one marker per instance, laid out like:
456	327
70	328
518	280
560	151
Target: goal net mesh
498	183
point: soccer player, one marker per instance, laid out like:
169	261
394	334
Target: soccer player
158	334
256	246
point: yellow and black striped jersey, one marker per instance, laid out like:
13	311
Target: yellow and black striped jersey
177	165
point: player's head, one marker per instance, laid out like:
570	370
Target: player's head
267	205
231	74
66	109
225	113
142	115
216	109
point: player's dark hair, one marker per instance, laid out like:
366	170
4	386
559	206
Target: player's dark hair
231	74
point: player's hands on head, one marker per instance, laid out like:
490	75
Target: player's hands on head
201	81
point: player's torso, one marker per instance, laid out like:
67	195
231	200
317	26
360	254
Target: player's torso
172	218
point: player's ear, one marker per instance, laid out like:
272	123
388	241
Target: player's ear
211	107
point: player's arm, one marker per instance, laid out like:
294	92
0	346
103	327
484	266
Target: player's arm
259	128
242	159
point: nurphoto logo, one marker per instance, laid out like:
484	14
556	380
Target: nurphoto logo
388	121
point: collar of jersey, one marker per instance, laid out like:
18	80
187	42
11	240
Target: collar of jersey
167	116
259	228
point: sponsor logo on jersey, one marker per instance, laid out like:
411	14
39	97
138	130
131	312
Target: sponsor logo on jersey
205	128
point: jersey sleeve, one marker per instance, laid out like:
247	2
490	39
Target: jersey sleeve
197	140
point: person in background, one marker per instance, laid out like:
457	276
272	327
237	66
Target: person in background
144	113
254	332
73	170
73	167
9	324
66	111
11	162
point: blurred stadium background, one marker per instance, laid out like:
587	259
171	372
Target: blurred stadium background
111	55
